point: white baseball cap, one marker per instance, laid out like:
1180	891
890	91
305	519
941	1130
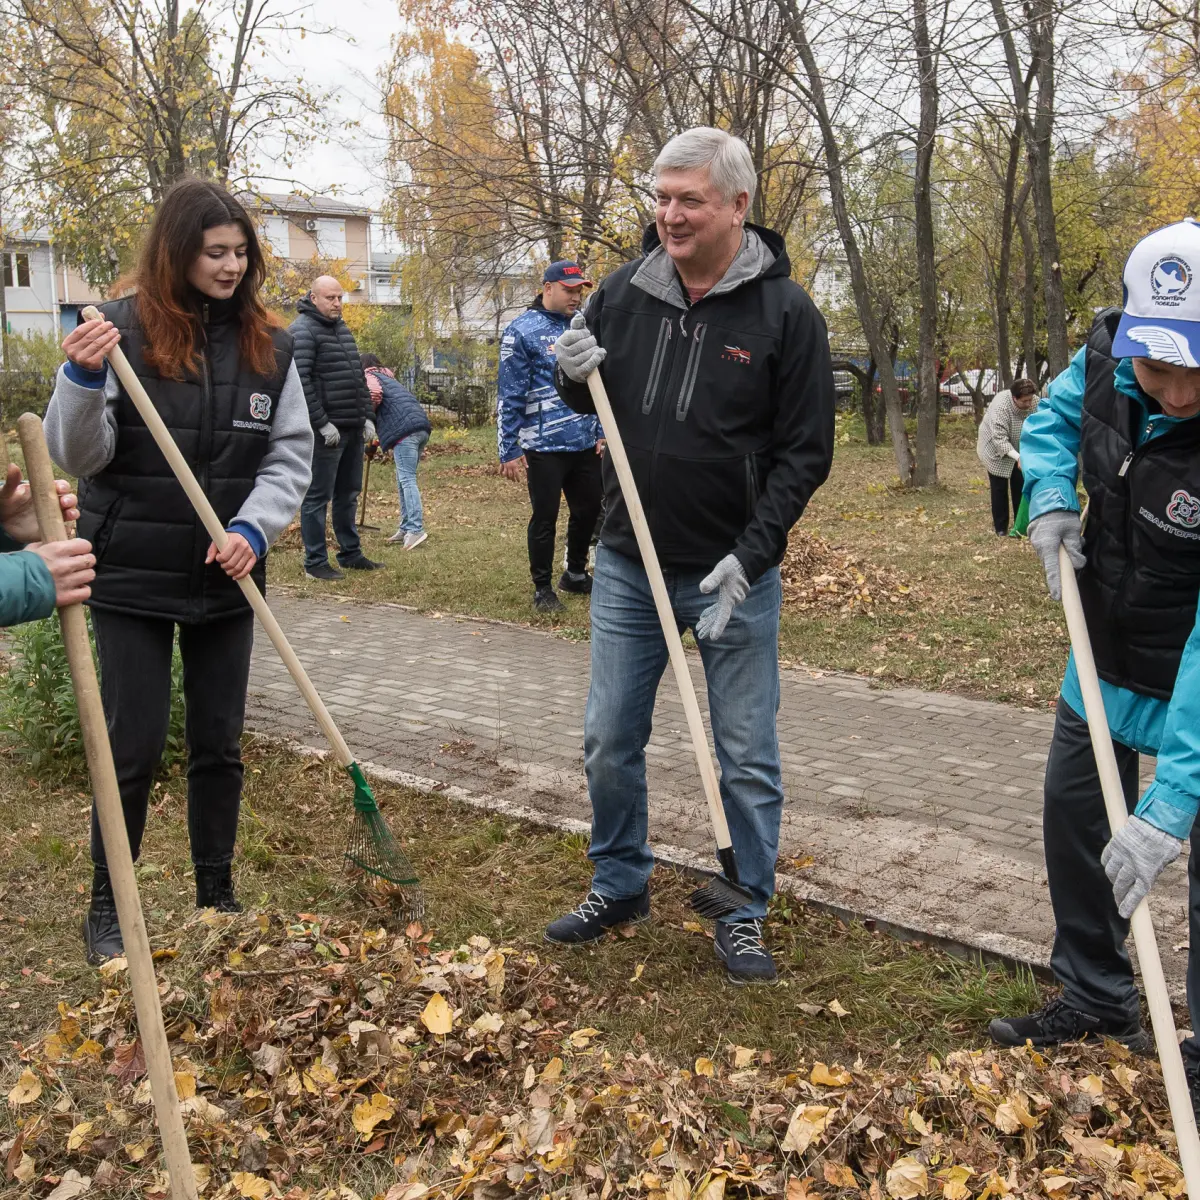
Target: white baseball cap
1162	298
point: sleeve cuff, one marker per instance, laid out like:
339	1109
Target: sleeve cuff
1011	453
85	377
1168	810
258	543
1052	494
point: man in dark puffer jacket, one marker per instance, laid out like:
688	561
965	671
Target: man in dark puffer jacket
339	407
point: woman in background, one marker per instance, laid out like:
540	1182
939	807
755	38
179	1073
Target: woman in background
999	448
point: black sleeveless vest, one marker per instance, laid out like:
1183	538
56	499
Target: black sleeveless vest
1142	534
149	543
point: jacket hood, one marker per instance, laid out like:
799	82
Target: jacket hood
539	306
309	309
763	255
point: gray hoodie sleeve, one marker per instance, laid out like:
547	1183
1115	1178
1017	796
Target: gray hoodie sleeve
286	469
81	425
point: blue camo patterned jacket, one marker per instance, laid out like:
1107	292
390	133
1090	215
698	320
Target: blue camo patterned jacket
529	413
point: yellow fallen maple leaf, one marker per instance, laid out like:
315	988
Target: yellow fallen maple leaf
743	1056
807	1123
251	1186
907	1178
26	1090
954	1182
839	1175
373	1112
552	1070
821	1074
185	1085
78	1135
138	1150
87	1049
438	1017
704	1066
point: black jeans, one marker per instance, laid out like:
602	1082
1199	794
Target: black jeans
337	473
1001	488
1089	957
135	685
576	475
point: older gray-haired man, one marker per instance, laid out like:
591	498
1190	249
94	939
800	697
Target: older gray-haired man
717	366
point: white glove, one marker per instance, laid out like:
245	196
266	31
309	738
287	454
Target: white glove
729	576
577	351
369	434
1046	534
1137	855
329	431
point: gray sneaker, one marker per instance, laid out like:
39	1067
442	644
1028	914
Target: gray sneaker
413	540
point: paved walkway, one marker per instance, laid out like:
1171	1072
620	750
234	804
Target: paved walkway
915	808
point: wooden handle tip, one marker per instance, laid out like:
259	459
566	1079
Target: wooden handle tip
91	313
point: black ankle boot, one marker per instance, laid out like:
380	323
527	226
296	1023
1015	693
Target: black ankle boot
101	932
214	889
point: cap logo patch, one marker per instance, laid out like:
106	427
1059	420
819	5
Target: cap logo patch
1164	344
1184	509
260	406
1170	280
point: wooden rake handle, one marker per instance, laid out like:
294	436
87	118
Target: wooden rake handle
1161	1018
662	602
112	828
212	523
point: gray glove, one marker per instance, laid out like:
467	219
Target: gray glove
329	431
1137	855
730	578
1046	534
369	434
577	351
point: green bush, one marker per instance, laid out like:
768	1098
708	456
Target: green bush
38	718
27	377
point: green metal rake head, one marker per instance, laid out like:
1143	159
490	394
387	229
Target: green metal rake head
374	850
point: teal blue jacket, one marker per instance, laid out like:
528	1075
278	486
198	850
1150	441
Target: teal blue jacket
1168	728
26	585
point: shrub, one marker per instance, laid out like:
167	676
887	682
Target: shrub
38	718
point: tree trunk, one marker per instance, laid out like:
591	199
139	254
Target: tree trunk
858	278
925	467
1004	268
1029	352
873	414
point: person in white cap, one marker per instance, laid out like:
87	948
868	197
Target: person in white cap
1125	411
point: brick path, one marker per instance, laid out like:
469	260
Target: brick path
911	807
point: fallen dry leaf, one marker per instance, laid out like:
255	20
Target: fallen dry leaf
26	1090
821	1074
807	1123
438	1017
907	1178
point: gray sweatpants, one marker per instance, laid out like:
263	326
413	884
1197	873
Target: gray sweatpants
1089	957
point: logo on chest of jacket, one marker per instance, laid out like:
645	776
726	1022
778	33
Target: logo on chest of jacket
260	406
1184	509
736	354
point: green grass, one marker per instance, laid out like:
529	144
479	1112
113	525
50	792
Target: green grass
980	621
490	875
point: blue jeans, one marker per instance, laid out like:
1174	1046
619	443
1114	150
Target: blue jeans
629	656
336	482
407	453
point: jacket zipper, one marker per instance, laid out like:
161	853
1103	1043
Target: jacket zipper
656	364
751	487
204	452
690	372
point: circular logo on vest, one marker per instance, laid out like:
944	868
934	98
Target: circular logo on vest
1170	278
260	406
1184	509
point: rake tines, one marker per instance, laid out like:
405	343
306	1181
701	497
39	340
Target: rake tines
374	850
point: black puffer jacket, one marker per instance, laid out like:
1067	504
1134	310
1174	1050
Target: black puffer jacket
725	406
330	369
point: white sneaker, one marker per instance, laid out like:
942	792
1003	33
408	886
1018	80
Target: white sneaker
413	540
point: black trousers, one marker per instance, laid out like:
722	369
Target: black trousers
135	686
1089	957
576	475
1001	488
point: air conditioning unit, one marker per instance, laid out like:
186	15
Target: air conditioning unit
356	285
311	225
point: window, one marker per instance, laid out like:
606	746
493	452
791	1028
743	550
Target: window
16	269
277	233
331	237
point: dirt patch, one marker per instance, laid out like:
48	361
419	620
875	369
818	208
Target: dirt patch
822	578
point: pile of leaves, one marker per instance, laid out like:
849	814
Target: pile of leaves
821	578
322	1060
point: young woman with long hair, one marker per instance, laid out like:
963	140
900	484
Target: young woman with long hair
220	373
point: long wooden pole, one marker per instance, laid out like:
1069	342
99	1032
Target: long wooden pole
1141	924
112	828
212	523
662	602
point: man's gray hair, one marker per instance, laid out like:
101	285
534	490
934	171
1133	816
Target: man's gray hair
727	158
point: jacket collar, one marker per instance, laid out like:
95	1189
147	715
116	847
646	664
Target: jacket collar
309	309
762	253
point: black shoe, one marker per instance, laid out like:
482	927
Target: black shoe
214	889
596	915
101	932
545	601
1059	1022
739	945
581	584
361	563
323	572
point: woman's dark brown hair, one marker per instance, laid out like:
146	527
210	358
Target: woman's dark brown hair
166	311
1023	387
